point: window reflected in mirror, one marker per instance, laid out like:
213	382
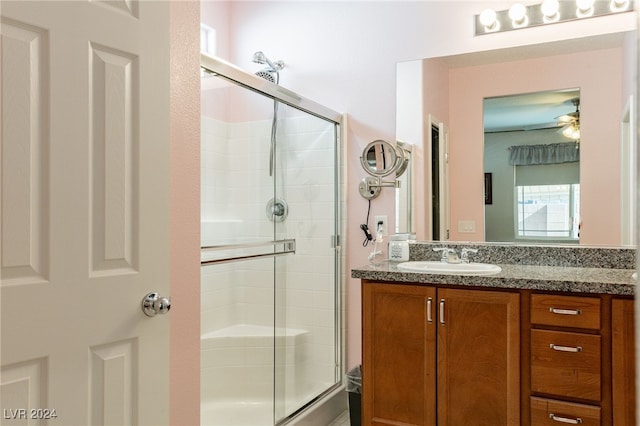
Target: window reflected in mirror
534	164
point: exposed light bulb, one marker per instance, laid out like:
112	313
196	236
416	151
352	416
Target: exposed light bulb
571	131
618	5
489	19
584	8
518	15
550	11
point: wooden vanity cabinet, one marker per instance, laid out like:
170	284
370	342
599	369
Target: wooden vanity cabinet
582	368
461	345
623	362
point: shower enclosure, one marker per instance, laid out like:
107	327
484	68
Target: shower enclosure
271	295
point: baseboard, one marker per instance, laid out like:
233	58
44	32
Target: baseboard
325	411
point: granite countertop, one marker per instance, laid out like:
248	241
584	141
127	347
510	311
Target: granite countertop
531	277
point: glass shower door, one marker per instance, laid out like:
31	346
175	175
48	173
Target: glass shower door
306	299
269	277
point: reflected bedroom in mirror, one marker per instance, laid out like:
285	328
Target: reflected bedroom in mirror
532	164
540	145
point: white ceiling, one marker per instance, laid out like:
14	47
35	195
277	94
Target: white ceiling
528	111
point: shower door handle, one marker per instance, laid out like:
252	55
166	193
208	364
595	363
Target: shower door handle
246	251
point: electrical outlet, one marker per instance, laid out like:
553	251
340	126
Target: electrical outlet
380	224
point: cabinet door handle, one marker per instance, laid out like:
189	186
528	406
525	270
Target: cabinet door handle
442	311
429	315
561	311
569	420
561	348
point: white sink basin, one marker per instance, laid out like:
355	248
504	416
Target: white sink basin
435	267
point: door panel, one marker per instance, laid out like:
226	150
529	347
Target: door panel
85	146
25	202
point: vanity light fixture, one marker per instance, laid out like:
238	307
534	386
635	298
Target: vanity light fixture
618	5
518	15
548	12
584	8
489	20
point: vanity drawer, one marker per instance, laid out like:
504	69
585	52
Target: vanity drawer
547	412
565	311
565	364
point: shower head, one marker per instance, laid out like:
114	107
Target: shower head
270	73
261	58
267	74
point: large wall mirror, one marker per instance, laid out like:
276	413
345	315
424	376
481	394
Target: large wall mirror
532	164
592	76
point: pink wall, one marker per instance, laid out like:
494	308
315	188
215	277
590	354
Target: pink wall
185	214
343	54
338	54
598	74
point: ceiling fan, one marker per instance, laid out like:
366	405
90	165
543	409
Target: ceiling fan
570	122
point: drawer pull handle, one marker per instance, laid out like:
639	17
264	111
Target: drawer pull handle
561	311
429	315
561	348
560	419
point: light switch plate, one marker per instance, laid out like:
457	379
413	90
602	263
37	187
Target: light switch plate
466	226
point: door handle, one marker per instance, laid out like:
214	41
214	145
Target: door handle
442	311
429	316
154	304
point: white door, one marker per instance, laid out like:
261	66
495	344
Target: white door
85	212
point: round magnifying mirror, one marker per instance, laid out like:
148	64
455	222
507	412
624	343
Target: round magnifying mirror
403	161
380	158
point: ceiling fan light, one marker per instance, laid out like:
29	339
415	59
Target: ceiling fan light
571	131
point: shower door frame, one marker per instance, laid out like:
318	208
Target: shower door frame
230	72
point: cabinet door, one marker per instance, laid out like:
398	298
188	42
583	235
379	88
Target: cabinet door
624	371
398	369
478	358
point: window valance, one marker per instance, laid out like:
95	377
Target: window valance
557	153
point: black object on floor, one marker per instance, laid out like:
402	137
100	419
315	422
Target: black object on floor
354	387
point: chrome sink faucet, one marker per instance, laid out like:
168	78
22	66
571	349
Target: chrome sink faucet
448	255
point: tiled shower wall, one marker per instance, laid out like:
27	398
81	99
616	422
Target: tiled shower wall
235	190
